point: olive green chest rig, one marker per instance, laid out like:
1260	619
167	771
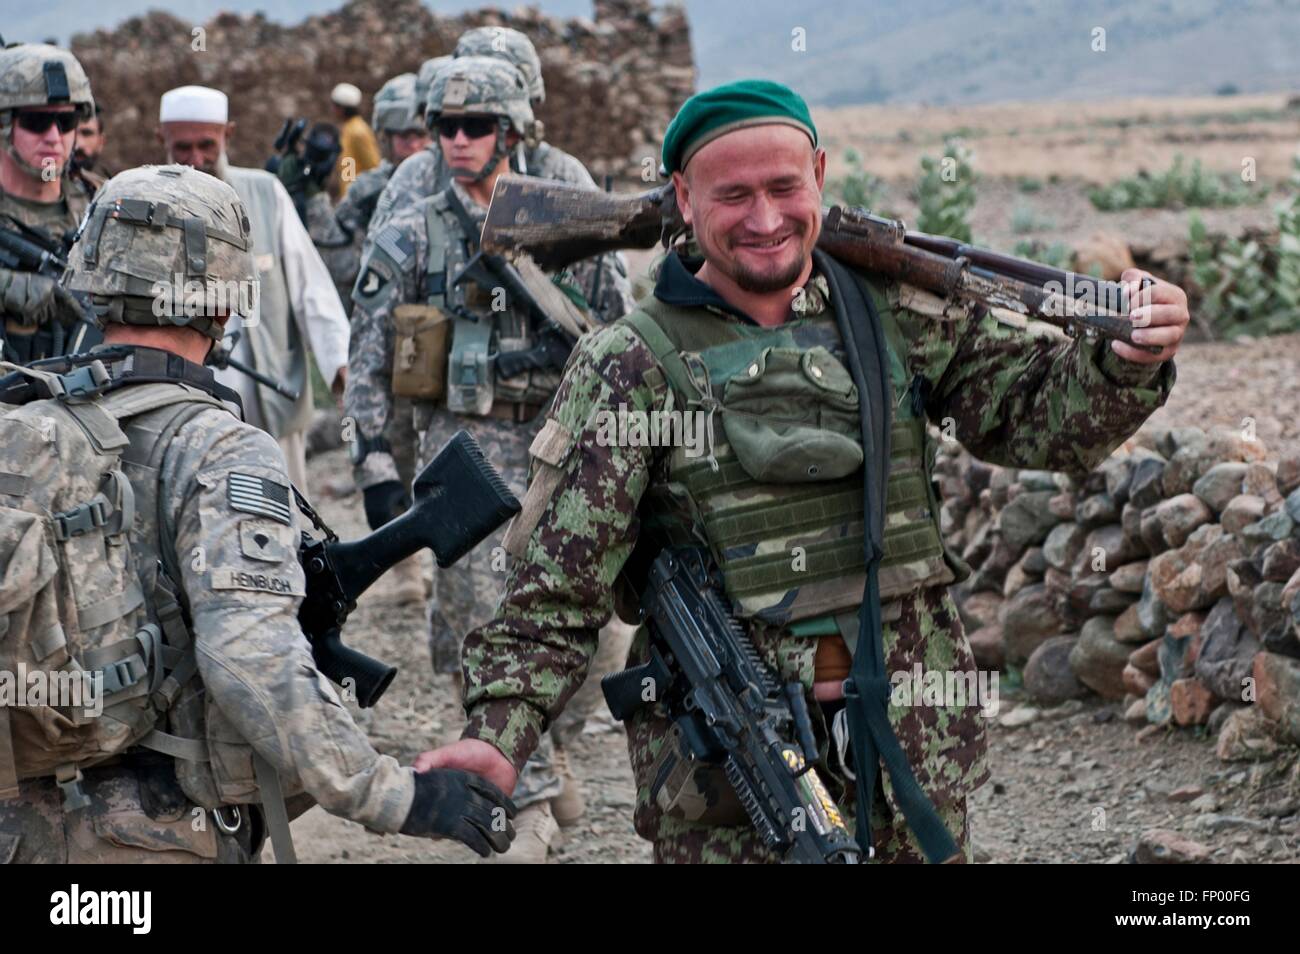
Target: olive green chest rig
779	496
480	321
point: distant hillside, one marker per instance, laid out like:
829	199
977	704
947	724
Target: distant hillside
935	51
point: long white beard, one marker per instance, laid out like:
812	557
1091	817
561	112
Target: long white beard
222	167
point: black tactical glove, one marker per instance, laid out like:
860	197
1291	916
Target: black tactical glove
450	803
35	299
384	502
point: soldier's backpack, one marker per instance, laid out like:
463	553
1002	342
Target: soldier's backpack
93	650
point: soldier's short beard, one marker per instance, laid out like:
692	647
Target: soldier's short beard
764	282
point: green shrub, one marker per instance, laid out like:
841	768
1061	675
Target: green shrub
946	192
1178	187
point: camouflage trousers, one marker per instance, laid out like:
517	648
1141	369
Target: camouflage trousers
465	595
137	815
403	440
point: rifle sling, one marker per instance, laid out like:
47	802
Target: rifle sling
866	691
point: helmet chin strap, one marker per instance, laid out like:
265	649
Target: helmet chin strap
499	151
36	172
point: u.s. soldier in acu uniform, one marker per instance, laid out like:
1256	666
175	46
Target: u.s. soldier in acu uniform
44	94
478	107
757	325
603	281
233	683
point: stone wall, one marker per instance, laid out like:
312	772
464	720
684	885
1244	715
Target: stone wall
612	82
1169	578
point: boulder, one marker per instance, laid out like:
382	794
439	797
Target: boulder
1191	701
1277	692
1227	652
986	647
1145	485
1048	677
1137	682
1027	519
1288	475
1218	485
1098	658
1160	846
1281	560
1147	658
1062	546
1240	512
1179	516
1097	510
1027	619
1128	578
1247	736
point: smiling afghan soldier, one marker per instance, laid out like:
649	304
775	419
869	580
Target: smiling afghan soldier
757	332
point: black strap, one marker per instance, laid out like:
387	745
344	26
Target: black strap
866	691
126	365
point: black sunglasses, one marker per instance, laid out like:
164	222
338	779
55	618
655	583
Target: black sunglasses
476	127
37	121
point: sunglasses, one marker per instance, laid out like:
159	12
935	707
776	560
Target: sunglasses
476	127
37	121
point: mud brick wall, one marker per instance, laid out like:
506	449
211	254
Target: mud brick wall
613	81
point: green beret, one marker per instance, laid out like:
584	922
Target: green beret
718	111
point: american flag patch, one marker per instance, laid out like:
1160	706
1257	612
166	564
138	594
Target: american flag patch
396	245
253	494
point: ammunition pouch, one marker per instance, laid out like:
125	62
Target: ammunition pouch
792	417
420	352
469	369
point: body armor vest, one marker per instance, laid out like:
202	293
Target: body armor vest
788	550
480	325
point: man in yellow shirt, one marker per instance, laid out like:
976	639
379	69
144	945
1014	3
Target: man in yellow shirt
359	148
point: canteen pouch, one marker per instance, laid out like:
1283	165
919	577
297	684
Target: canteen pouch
469	367
791	416
419	352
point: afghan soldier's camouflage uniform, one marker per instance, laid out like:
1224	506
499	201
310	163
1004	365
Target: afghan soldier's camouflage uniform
1015	399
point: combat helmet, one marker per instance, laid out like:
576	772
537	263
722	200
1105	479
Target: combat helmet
482	86
165	245
503	43
424	78
36	74
396	105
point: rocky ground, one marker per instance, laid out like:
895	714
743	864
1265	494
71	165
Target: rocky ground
1073	783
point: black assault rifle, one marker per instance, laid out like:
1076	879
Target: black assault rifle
728	710
459	500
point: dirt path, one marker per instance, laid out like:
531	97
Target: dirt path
1075	785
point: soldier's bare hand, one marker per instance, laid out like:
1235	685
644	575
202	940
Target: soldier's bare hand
471	755
1159	315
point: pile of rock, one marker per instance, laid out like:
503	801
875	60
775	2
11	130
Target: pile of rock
1169	578
612	82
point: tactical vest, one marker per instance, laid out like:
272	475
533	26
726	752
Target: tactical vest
478	331
789	552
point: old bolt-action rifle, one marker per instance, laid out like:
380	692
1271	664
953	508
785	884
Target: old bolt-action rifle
556	224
